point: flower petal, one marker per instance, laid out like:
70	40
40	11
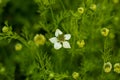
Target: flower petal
58	32
57	45
66	44
53	40
67	36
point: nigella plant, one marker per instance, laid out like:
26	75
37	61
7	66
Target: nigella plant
60	40
85	43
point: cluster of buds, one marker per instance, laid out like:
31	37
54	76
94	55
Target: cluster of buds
107	67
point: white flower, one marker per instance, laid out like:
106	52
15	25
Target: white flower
60	40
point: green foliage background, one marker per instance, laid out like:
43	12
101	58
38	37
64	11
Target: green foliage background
30	17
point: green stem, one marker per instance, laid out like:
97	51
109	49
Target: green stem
53	16
62	5
40	60
104	50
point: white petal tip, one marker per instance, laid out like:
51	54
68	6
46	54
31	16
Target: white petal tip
57	46
58	32
66	44
67	36
53	40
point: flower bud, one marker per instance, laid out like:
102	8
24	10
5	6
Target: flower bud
5	29
81	10
75	75
51	75
39	39
117	67
2	69
105	32
93	7
81	43
107	67
115	1
18	47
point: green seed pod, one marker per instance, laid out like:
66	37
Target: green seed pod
81	10
105	32
5	29
93	7
18	47
75	75
117	67
39	39
51	75
107	67
81	43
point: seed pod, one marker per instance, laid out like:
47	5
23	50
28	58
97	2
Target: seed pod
93	7
107	67
117	67
75	75
39	39
5	29
105	32
18	47
81	10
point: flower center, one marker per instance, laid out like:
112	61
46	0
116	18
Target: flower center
104	30
117	67
61	38
107	66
